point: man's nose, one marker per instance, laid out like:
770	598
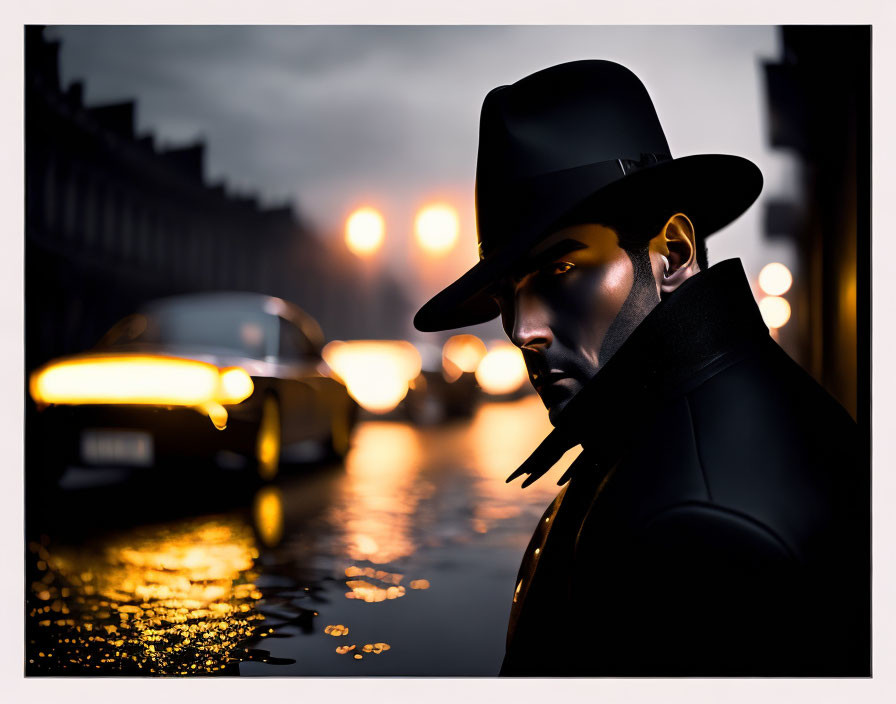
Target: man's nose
531	323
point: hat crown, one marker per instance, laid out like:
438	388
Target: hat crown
565	116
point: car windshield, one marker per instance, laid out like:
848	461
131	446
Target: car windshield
245	332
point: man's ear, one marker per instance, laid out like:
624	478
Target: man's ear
676	243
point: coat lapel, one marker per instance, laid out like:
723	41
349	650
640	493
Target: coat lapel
681	340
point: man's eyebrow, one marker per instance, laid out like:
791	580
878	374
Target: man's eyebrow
535	262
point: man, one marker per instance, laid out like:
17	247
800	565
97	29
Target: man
716	521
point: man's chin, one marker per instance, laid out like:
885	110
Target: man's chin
554	412
555	405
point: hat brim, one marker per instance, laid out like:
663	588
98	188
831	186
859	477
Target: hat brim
711	189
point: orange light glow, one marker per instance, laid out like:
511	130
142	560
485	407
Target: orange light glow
142	380
365	230
377	373
381	575
173	599
379	496
267	509
462	353
501	436
436	228
775	311
235	385
267	445
375	648
216	413
775	279
365	591
502	370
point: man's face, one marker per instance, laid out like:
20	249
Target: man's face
571	304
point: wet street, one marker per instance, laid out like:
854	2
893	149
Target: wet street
401	561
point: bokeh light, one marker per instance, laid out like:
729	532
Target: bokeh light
364	231
502	370
461	353
436	228
775	311
775	279
376	372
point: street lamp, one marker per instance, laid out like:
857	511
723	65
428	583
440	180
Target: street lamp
364	231
436	227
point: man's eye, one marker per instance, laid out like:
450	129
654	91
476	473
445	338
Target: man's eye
560	268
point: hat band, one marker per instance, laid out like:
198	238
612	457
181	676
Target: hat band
601	173
647	159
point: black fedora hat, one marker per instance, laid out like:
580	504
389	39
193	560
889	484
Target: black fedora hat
578	142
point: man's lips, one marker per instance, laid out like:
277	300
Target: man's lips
543	380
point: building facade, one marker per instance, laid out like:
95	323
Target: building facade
113	220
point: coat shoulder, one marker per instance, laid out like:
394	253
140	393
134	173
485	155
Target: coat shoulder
776	447
759	440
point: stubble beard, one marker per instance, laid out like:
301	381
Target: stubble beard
641	299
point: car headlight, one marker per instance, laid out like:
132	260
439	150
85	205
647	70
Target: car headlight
142	380
234	385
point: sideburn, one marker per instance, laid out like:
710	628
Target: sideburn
640	301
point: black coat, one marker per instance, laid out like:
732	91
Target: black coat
717	521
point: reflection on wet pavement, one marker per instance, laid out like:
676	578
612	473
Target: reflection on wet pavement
381	575
375	648
267	509
170	601
381	492
412	548
365	591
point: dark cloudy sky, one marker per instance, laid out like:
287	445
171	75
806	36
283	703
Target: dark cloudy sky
333	117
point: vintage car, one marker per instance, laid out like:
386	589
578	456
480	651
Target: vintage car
235	379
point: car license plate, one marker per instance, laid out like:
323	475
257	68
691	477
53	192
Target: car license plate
117	447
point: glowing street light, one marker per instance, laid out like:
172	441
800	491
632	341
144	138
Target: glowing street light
364	231
775	279
775	311
436	228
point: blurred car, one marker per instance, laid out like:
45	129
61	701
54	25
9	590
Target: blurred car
200	377
444	390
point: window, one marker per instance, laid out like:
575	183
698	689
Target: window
293	343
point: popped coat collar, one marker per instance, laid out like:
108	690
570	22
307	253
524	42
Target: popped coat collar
704	326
